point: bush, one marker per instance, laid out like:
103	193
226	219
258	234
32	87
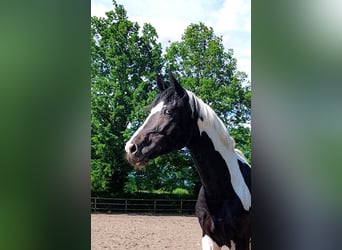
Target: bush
130	187
180	191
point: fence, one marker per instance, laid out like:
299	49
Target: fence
156	206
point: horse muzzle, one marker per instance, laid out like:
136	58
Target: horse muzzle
134	156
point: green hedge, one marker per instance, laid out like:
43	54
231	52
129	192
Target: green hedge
176	194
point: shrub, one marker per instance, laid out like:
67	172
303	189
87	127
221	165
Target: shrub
180	191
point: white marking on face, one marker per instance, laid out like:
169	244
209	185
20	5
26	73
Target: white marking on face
224	144
209	244
154	110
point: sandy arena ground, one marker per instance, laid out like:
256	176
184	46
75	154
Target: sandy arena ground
113	231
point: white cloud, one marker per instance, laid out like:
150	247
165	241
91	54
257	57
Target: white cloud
234	15
229	19
100	7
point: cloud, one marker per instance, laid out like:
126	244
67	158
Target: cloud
100	7
233	15
229	19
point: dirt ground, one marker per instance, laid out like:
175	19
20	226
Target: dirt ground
113	231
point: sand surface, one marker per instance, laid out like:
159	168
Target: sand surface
113	231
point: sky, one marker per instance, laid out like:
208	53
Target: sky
230	19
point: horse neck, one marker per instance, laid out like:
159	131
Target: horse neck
215	158
214	155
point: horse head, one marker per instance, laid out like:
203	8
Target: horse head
167	128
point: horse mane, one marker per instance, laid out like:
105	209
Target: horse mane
210	118
241	154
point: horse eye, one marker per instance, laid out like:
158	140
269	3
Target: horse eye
167	112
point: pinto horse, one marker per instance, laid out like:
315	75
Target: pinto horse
180	119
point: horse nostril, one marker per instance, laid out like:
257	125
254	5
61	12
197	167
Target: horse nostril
132	148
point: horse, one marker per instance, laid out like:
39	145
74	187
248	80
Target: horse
178	119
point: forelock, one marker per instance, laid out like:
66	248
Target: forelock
167	96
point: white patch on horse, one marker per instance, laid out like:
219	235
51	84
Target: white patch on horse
232	245
209	244
154	110
224	144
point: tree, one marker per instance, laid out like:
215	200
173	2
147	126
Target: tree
123	64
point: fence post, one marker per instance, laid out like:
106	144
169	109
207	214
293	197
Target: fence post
181	206
95	204
126	205
155	206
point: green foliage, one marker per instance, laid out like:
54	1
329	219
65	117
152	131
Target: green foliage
130	186
180	191
124	62
165	173
154	194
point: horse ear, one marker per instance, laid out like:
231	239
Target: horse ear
160	83
174	84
